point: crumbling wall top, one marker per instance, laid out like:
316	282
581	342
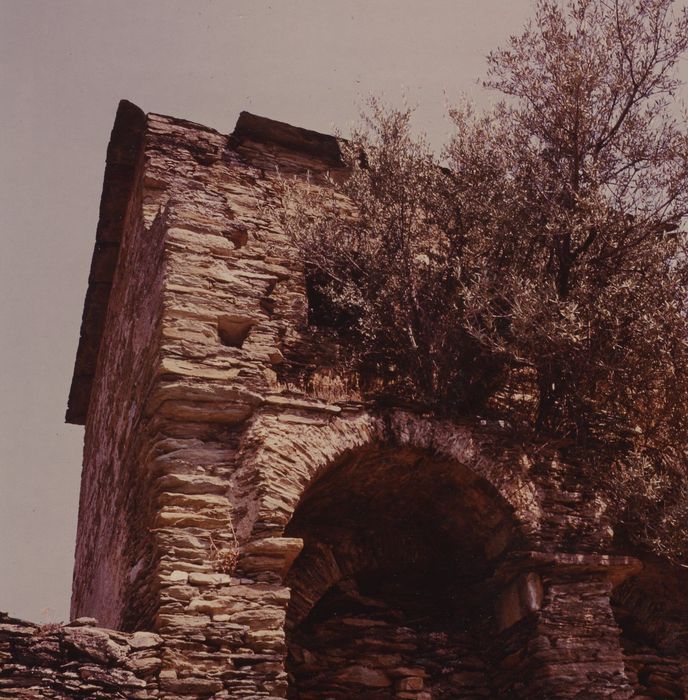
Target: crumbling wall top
251	135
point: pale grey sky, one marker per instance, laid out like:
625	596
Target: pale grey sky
64	64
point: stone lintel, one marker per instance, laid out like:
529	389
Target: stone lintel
615	568
323	147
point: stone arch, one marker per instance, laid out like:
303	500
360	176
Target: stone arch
284	452
457	499
391	594
424	500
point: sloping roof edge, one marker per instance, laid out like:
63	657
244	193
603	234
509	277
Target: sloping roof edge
123	152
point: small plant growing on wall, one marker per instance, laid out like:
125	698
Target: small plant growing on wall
225	555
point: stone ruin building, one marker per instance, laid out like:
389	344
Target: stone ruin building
250	528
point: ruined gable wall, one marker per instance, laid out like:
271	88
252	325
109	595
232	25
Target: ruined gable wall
172	393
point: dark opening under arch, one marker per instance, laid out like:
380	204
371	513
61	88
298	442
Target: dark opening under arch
391	594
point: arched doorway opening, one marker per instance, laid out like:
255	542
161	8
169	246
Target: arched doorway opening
391	594
651	610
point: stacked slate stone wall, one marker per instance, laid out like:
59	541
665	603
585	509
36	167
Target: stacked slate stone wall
280	536
79	660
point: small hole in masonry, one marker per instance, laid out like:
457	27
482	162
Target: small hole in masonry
233	330
238	235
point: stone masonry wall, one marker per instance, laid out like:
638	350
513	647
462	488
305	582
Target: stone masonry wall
79	660
113	551
238	495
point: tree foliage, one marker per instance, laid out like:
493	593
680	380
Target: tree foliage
540	277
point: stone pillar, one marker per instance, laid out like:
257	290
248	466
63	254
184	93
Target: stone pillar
557	634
